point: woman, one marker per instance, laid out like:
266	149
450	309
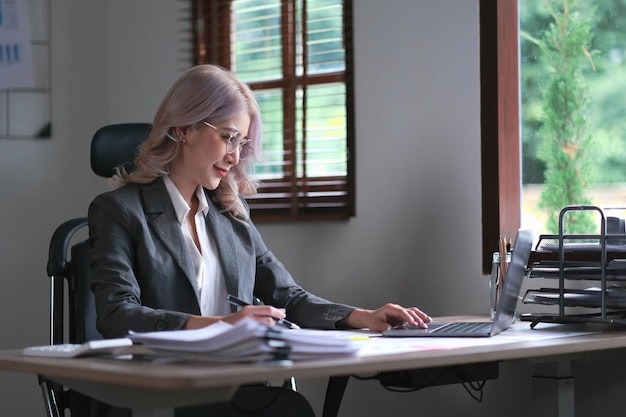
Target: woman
175	238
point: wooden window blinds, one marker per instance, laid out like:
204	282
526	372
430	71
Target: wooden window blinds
296	55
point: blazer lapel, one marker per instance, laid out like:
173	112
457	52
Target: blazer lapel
163	223
220	227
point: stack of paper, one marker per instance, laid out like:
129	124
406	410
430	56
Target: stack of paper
245	341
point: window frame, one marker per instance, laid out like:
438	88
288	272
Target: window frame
292	197
500	123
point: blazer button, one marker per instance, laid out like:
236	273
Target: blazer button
160	325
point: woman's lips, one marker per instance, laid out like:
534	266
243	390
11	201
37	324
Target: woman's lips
221	171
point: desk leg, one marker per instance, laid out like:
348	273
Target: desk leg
553	389
334	393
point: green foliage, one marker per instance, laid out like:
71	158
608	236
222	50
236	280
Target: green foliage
607	108
564	138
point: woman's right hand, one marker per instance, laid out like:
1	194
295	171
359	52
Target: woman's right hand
263	314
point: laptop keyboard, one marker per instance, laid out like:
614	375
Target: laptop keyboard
465	328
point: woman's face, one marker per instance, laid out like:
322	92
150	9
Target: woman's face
203	158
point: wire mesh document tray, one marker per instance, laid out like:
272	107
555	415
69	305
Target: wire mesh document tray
588	271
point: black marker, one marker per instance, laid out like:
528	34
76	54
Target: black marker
284	322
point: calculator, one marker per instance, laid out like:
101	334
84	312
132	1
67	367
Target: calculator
74	350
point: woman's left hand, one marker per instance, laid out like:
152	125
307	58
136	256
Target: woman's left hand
386	317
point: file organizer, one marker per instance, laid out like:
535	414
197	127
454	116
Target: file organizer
573	260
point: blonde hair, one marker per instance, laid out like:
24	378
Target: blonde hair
203	92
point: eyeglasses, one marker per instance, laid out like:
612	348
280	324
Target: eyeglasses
234	140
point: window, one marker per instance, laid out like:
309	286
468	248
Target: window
297	57
505	190
572	154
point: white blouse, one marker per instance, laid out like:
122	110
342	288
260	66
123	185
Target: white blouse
209	274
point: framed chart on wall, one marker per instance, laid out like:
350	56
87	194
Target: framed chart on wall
25	95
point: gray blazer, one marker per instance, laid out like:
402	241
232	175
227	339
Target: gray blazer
143	279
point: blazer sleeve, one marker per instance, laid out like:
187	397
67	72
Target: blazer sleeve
274	285
124	253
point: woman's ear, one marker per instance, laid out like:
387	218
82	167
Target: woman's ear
181	133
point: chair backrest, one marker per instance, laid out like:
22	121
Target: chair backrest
111	146
114	145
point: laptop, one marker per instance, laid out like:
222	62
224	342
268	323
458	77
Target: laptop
505	310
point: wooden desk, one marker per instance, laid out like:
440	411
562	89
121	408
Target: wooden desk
147	387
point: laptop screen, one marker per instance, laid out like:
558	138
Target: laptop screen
505	310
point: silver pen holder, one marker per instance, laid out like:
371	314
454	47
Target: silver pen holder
495	282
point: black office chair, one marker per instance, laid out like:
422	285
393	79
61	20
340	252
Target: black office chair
111	146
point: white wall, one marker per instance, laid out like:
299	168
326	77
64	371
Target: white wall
416	238
418	167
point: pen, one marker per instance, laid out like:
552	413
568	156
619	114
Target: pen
284	322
